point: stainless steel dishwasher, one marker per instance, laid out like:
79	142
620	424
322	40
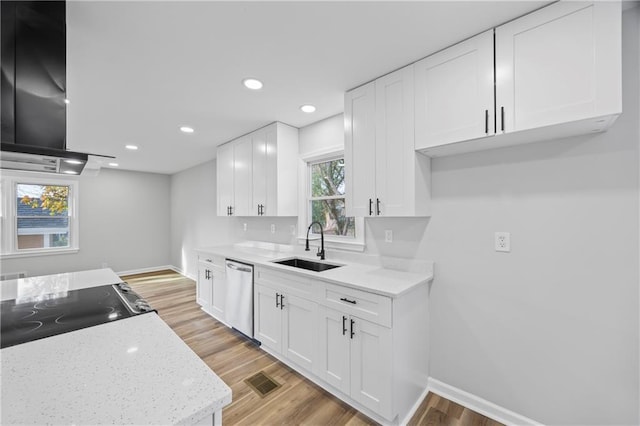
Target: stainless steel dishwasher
239	300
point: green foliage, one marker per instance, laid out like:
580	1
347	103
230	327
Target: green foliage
327	180
53	198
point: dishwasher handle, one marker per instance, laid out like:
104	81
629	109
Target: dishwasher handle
238	268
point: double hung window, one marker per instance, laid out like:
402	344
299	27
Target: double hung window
39	215
327	199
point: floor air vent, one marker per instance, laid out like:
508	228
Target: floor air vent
262	384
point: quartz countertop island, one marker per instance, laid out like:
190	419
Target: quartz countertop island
131	371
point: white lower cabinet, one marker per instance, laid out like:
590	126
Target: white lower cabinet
285	323
211	288
368	349
355	357
204	285
267	318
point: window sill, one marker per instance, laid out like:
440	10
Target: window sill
34	253
335	244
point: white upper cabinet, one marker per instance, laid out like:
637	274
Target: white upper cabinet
359	155
557	73
384	175
262	171
242	158
400	185
559	64
224	173
454	93
265	171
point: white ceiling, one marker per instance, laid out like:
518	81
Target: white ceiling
137	71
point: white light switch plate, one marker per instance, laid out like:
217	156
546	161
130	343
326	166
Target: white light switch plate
502	241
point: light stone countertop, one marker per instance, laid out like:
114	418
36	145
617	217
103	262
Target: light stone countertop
33	288
131	371
371	277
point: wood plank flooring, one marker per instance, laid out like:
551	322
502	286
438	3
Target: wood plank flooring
232	357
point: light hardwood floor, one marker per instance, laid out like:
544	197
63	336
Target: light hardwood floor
232	357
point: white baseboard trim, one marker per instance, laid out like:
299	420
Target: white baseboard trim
415	407
479	405
149	269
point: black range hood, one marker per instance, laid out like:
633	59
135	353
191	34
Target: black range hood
33	88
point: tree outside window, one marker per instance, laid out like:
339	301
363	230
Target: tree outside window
327	198
42	216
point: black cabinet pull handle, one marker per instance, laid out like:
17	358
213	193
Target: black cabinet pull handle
277	302
231	210
344	299
370	207
352	332
377	207
486	121
281	301
344	325
502	118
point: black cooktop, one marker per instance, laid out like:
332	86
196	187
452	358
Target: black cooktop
52	314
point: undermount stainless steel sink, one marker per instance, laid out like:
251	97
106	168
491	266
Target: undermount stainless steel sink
307	264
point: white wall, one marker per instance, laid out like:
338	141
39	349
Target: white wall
124	222
322	136
194	222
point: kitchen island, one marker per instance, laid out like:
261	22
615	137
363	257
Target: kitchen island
130	371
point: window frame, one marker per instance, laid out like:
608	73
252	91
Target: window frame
341	242
9	219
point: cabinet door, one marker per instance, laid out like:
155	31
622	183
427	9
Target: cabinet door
300	331
259	175
224	167
558	64
265	175
203	287
242	176
333	364
371	365
268	318
218	293
454	93
395	151
359	154
271	144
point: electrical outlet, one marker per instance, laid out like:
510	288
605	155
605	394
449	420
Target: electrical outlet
105	265
502	241
292	229
273	228
244	226
388	236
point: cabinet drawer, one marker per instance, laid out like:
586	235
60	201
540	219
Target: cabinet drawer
212	260
292	283
368	306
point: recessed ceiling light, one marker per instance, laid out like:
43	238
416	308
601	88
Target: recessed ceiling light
113	164
186	129
70	172
252	83
131	147
308	108
73	161
66	101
